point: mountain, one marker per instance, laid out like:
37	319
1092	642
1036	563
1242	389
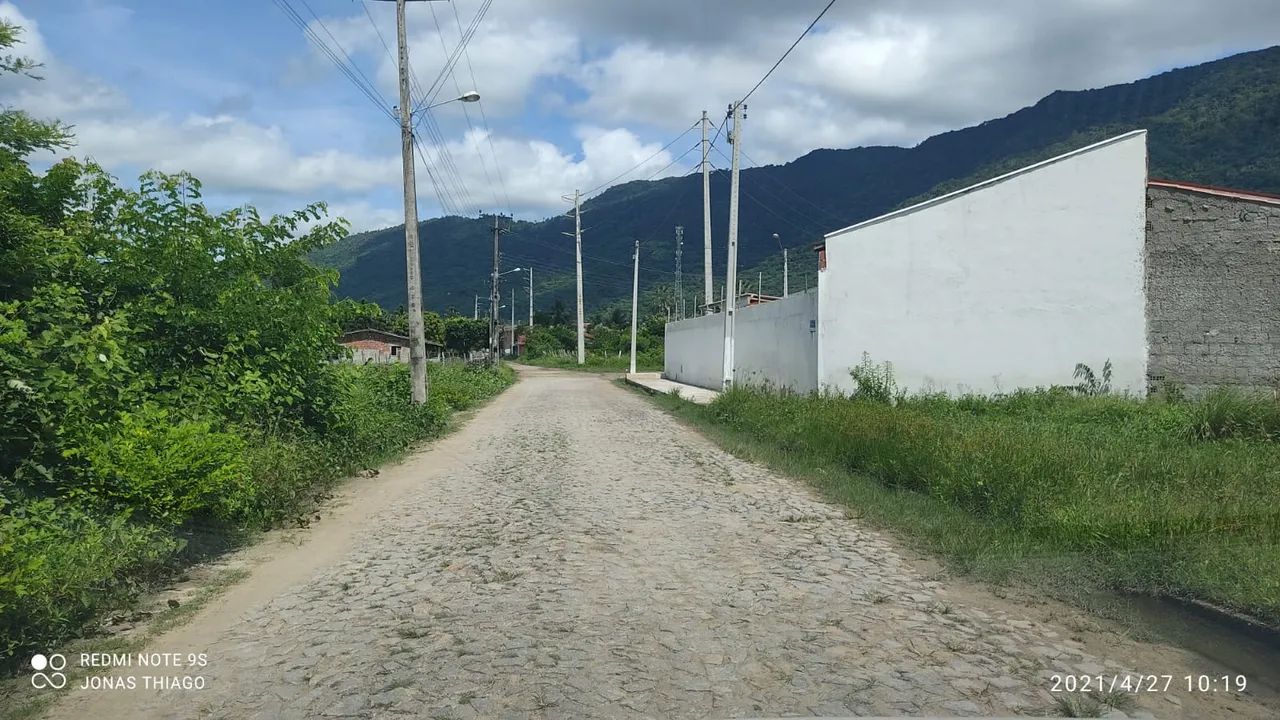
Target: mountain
1214	123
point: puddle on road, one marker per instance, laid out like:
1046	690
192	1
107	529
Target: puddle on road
1230	646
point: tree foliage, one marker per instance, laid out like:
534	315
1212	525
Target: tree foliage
165	369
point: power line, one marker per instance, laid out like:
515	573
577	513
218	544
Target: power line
784	186
446	196
466	113
803	228
676	160
351	74
484	118
788	52
452	59
635	167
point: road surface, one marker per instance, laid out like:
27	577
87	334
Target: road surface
575	552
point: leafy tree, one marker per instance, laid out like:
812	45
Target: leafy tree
559	314
463	334
358	315
433	326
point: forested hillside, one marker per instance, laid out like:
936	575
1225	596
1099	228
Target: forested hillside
1213	123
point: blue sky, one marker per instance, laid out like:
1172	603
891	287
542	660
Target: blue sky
575	91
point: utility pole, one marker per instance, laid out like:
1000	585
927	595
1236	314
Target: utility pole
494	298
679	277
475	313
785	289
413	268
731	276
577	238
511	349
635	297
530	296
706	217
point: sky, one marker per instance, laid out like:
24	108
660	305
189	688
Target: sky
574	92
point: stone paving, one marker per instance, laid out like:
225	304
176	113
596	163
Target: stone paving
593	558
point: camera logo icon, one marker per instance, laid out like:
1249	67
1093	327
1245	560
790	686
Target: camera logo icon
54	679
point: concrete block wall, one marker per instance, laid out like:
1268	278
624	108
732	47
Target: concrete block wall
1213	291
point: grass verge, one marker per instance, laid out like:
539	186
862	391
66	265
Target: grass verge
1066	493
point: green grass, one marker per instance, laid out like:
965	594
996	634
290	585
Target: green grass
1081	493
599	362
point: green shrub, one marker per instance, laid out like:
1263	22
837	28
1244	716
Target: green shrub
166	470
59	566
874	382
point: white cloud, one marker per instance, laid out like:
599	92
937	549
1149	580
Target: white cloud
612	82
231	154
364	216
536	173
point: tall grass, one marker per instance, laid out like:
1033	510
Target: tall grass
1162	496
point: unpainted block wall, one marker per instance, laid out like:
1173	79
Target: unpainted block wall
1213	292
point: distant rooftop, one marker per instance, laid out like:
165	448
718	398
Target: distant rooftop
1216	191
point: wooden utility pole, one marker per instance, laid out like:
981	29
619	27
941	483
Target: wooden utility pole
413	268
635	297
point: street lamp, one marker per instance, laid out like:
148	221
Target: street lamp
470	97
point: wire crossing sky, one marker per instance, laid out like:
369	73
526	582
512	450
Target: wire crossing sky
283	103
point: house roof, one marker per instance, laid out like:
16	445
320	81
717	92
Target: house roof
1248	195
987	183
387	337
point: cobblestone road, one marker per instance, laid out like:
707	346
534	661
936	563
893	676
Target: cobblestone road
586	556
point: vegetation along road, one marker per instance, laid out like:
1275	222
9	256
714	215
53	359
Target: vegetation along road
574	551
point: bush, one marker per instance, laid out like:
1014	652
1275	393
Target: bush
59	566
165	470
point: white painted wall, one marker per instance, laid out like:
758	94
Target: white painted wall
1004	285
774	343
693	351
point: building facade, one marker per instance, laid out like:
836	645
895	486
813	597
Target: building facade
1213	288
1013	282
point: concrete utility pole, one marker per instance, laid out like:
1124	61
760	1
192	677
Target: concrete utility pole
635	298
413	268
679	276
577	238
511	349
530	297
731	274
494	299
785	288
706	217
475	313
